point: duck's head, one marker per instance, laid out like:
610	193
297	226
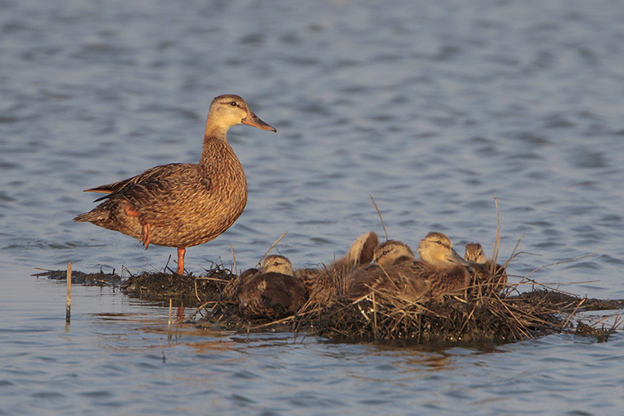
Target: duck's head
390	251
475	254
277	264
229	110
437	250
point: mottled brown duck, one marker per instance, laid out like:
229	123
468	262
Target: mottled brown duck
439	271
272	292
491	276
183	204
325	282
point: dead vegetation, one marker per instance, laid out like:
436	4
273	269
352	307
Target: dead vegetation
479	314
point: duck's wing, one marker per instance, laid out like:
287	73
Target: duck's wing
149	178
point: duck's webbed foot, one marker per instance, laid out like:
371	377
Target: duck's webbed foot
146	234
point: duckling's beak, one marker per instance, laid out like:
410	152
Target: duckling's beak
455	258
253	120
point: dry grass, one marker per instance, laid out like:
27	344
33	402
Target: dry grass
480	315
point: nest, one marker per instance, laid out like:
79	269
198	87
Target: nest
480	314
383	316
188	289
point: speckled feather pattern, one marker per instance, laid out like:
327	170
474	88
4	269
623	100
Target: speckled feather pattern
185	204
409	278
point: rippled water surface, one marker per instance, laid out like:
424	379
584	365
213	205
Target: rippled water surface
431	107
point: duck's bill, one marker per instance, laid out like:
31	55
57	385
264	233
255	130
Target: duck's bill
253	120
456	258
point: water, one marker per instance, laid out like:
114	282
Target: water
430	107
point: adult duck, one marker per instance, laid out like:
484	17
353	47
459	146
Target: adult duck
439	271
183	204
271	292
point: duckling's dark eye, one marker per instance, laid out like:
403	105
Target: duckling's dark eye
233	104
439	242
385	252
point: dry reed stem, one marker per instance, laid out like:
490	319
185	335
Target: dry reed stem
380	217
497	238
270	248
233	259
68	296
561	262
573	313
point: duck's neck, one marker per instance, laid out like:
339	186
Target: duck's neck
437	263
217	153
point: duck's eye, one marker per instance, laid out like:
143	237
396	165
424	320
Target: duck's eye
439	242
233	103
385	252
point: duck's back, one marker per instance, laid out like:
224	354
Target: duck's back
408	279
272	295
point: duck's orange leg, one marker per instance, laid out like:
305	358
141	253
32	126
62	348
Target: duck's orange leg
145	238
146	235
181	253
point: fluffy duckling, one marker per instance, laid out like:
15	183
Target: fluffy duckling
272	292
475	254
326	282
392	252
437	250
439	271
183	204
486	272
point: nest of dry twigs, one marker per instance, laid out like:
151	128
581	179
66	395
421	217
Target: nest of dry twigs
189	289
481	314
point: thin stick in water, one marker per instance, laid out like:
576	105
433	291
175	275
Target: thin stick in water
68	305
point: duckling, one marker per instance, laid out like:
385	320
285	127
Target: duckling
324	283
486	272
387	256
475	254
392	252
272	292
439	271
183	204
437	250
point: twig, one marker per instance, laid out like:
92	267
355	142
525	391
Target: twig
497	239
270	248
233	258
375	332
561	262
68	300
196	294
572	314
279	321
380	217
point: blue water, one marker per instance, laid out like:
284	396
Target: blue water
433	108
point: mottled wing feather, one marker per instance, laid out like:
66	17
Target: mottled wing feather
148	175
157	191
